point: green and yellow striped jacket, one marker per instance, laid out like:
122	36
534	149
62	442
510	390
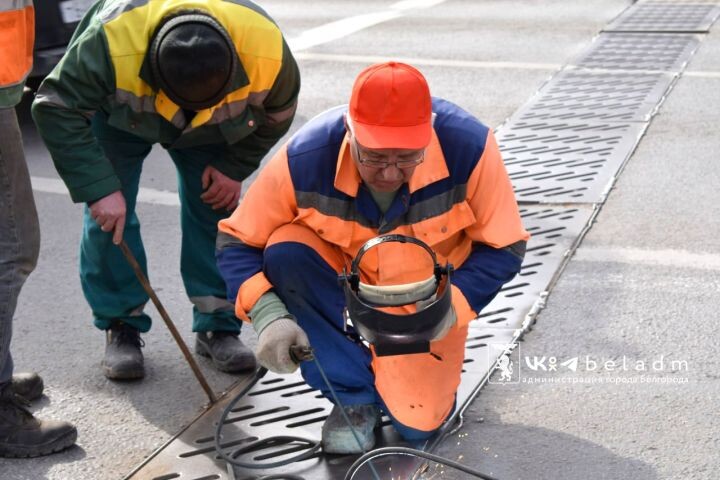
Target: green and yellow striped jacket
106	68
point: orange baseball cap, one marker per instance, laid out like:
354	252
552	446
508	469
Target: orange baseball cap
390	107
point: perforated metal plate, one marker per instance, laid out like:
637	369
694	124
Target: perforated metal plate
285	405
666	17
597	96
562	162
639	51
555	231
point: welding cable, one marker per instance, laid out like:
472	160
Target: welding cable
314	447
345	416
412	453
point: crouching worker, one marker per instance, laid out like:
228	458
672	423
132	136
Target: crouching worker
395	161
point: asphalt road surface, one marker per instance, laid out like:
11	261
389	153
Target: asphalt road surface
643	286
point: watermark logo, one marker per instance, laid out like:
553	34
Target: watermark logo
571	364
582	368
508	370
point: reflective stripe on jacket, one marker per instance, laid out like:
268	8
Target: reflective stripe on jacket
106	67
459	201
17	36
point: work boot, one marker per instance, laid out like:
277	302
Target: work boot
123	357
337	436
226	350
23	435
28	385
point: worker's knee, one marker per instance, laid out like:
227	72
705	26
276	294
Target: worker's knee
418	428
291	244
412	434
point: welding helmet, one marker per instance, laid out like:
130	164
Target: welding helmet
193	60
393	334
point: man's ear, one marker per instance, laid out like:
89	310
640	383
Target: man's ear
345	122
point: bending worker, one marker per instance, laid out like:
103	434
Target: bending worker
215	84
380	165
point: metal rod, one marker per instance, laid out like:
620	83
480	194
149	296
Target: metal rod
170	325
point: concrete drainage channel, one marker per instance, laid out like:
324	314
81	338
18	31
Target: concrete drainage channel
563	150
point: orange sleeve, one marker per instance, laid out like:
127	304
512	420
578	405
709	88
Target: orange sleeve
492	200
463	311
268	204
17	34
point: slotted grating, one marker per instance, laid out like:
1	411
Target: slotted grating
597	96
285	405
639	51
666	17
561	162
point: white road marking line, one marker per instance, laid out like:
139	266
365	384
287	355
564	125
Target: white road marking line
347	26
437	62
427	61
665	258
145	195
701	74
413	4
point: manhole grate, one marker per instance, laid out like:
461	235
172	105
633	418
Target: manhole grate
666	17
639	51
285	405
562	162
598	96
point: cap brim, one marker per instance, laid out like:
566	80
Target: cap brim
379	136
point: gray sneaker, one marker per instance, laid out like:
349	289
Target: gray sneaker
337	436
123	357
23	435
226	351
29	386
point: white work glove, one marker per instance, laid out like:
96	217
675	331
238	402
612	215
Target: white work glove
273	350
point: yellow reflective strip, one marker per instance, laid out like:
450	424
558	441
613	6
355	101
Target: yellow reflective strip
128	35
203	116
165	107
258	42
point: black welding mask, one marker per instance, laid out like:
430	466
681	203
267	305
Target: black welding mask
193	60
393	334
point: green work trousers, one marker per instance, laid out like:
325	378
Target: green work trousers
109	283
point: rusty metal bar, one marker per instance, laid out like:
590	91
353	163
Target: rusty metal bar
170	325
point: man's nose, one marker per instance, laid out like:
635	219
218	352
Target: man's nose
391	173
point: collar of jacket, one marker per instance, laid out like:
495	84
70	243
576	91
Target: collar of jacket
433	168
168	109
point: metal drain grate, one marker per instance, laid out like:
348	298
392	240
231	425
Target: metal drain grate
597	96
285	405
554	230
639	51
561	162
666	17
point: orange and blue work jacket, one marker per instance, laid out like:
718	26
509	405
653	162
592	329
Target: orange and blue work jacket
107	68
17	35
459	201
